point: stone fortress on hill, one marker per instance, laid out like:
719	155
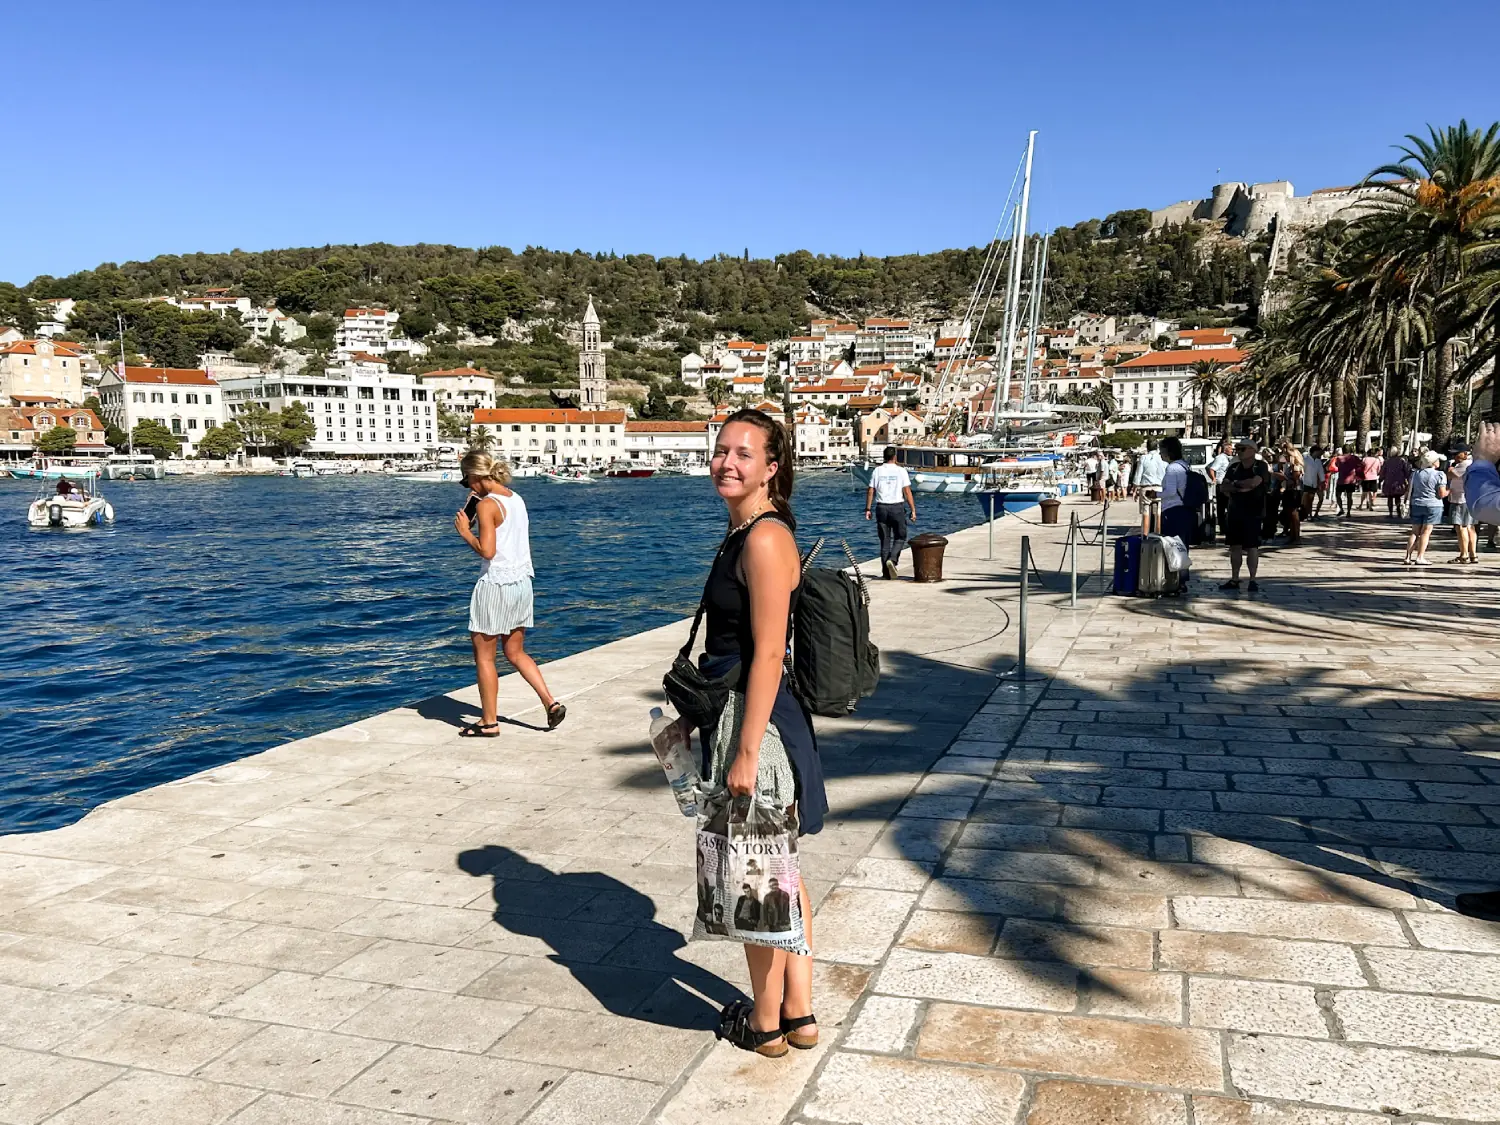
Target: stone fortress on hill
1240	210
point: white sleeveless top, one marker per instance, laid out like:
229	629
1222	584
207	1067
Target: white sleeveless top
512	561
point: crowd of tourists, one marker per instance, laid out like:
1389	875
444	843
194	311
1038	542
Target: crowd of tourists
1262	495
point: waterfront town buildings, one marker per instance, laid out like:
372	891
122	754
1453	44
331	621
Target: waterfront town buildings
33	416
361	410
187	401
554	439
656	443
461	390
41	366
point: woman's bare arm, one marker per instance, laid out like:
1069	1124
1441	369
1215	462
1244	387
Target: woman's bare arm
771	568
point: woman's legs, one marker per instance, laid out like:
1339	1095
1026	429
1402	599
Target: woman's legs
796	993
781	982
1411	543
515	652
489	677
1424	534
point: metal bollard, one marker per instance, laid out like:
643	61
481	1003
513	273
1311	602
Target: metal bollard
1025	582
1073	563
990	556
1103	539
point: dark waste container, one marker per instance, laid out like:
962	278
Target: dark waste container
927	556
1050	507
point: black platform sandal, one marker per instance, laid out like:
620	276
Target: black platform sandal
802	1040
734	1026
480	730
555	715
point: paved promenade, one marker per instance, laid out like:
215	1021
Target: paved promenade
1195	872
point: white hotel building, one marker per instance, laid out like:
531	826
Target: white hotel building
188	401
361	410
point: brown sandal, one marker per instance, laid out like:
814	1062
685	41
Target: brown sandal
802	1040
734	1025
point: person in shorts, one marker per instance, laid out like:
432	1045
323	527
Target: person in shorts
1311	485
1246	483
1459	513
1369	478
1424	499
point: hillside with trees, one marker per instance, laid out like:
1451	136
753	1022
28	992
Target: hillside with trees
1115	265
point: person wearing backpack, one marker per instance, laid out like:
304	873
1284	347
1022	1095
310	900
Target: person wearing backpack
1180	488
763	744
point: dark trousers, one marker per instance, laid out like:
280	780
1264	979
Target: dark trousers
890	522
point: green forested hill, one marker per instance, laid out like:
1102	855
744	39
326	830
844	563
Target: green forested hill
1112	266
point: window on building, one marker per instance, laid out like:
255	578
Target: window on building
192	423
156	396
550	429
177	425
138	396
366	392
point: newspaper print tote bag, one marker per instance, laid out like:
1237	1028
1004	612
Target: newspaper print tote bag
749	878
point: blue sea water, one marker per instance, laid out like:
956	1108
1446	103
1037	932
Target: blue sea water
220	616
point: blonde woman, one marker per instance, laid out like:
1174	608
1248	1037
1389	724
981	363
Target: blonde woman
500	609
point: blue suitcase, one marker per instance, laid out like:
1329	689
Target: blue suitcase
1127	564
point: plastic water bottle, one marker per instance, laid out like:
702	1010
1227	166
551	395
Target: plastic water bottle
670	742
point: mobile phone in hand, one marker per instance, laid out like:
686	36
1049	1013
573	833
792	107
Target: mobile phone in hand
471	508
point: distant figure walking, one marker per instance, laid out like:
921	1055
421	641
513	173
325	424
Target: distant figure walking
1246	481
1369	478
500	609
889	498
1395	475
1349	471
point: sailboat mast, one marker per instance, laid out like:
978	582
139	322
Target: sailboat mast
1032	312
1013	299
125	393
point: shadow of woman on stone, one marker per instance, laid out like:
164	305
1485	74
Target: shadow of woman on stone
605	933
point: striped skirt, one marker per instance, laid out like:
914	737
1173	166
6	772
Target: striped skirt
496	609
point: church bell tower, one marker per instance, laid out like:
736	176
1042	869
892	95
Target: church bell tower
593	391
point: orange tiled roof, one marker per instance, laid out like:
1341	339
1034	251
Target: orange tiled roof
744	346
175	376
666	427
28	347
1184	357
363	312
550	416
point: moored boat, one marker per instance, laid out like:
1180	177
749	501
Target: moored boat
133	466
628	469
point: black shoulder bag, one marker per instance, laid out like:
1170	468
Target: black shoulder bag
699	698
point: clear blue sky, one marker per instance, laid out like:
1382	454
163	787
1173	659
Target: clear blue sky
149	127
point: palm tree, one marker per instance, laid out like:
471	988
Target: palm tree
716	390
1435	207
481	440
1206	382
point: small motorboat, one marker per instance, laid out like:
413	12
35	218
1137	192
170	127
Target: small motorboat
80	506
568	476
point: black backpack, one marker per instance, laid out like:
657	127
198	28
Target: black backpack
833	663
1195	494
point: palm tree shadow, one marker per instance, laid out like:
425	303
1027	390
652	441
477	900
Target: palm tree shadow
605	933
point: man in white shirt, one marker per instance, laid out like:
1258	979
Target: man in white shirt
1148	478
1216	470
889	486
1313	476
1091	471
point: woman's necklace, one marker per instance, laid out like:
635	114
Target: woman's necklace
755	515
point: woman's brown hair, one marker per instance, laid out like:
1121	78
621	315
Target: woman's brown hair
779	450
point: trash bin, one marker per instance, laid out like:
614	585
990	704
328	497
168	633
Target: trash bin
1050	507
927	556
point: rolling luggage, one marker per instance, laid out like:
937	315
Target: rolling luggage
1157	577
1127	564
